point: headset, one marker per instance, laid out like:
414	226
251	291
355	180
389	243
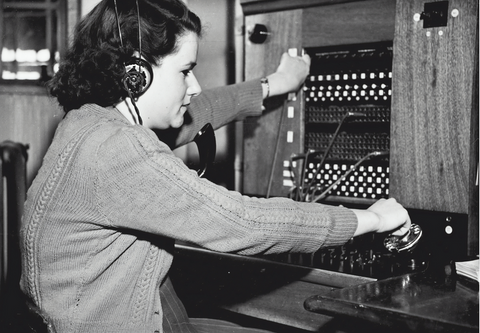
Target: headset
138	73
138	77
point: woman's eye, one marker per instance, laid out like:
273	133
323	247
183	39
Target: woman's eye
186	72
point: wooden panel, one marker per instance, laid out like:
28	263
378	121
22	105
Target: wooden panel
349	23
30	117
260	133
432	165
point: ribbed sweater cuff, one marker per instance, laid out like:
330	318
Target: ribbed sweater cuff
342	228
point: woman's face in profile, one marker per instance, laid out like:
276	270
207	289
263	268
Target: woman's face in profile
164	104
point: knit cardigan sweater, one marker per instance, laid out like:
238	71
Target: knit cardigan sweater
103	212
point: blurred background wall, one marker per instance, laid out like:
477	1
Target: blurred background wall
28	115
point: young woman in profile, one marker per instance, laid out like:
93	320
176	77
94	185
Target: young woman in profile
110	199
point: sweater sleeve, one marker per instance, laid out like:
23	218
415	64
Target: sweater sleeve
218	106
141	185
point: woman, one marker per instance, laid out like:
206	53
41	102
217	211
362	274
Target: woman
110	199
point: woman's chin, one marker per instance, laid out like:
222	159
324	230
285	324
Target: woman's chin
177	123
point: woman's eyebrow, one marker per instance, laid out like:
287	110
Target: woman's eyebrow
191	64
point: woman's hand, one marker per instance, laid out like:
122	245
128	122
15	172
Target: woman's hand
290	74
384	215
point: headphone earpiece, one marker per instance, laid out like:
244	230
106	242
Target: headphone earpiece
138	77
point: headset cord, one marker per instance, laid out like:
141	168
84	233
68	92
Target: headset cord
137	111
140	121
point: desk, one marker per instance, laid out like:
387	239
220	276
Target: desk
416	302
275	293
252	287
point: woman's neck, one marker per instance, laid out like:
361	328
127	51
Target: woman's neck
127	110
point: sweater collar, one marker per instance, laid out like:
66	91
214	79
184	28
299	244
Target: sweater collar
111	114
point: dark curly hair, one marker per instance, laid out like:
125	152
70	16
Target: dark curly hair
93	67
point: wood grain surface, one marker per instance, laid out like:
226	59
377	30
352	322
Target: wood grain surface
432	109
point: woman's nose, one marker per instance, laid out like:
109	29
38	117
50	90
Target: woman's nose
194	88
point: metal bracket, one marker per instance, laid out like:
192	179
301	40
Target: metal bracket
435	14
